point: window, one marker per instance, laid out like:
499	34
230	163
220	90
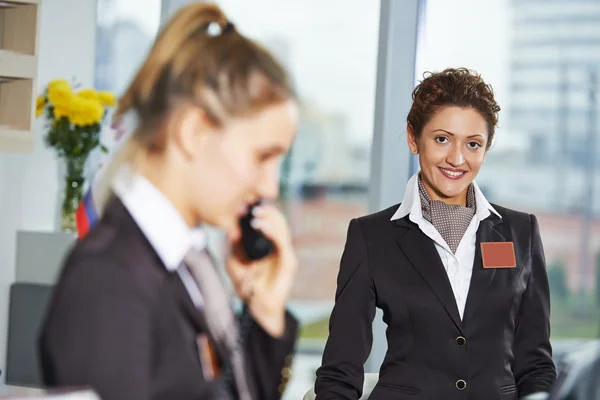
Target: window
125	30
325	178
124	33
543	159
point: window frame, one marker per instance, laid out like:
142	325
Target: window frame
391	161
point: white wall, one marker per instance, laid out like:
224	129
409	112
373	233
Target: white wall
30	183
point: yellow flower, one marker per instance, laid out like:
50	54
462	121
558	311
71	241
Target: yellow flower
60	95
85	112
59	83
76	112
91	94
95	111
60	112
107	98
40	103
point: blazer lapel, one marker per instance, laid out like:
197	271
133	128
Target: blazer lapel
482	277
185	304
422	254
194	316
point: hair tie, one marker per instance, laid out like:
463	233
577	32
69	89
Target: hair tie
215	28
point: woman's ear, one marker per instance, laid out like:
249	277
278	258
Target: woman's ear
412	139
191	129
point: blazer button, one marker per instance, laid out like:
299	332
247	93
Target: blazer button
461	384
461	341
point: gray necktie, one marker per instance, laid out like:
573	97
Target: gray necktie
219	316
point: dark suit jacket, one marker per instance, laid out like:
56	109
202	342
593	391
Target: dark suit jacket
501	348
122	324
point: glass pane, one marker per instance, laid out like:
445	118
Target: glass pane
324	181
124	33
125	30
542	60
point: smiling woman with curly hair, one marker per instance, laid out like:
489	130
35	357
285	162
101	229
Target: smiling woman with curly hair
462	283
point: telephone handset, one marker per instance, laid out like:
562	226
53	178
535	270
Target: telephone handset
255	244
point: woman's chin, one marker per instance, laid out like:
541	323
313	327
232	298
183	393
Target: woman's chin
231	228
450	191
450	196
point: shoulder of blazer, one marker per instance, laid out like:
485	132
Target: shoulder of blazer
377	221
383	216
514	218
114	234
516	225
116	243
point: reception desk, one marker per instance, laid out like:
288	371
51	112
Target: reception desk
10	392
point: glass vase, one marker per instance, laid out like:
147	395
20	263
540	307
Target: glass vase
73	192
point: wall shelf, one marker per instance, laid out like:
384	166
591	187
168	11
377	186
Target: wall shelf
19	31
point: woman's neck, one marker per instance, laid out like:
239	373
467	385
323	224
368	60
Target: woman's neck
167	179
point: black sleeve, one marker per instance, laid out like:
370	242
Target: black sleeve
270	358
534	369
341	375
97	333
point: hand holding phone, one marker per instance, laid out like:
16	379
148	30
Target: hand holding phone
255	244
265	286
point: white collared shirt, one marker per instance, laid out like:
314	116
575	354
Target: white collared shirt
459	265
162	224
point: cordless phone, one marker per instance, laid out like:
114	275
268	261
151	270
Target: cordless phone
255	244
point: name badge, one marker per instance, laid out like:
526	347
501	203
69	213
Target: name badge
208	357
498	255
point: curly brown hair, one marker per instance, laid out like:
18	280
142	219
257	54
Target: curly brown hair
458	87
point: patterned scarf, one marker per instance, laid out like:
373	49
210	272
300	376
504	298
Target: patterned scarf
450	220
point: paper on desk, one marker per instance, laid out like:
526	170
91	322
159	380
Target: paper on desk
33	394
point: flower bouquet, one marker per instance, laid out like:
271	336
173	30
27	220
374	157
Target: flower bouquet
74	121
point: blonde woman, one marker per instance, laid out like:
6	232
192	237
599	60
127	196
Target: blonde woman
139	311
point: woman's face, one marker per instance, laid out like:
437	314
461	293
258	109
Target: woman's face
239	164
451	149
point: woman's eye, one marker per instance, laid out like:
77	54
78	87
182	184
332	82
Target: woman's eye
270	156
474	145
265	156
441	139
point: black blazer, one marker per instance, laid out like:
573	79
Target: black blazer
501	348
122	324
